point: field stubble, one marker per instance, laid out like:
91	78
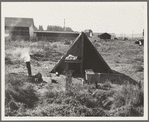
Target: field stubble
82	100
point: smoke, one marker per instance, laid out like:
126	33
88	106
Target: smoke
10	27
19	54
6	34
25	55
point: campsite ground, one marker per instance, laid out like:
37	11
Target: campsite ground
122	56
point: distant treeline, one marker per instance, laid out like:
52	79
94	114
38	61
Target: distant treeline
56	28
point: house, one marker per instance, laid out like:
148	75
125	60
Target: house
88	32
19	28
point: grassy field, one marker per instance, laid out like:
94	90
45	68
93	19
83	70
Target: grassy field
24	97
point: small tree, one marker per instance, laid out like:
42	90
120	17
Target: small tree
40	28
68	29
58	28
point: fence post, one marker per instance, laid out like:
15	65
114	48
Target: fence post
68	81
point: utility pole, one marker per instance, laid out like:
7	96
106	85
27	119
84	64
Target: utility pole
132	34
64	25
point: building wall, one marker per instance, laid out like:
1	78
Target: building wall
105	36
55	36
17	33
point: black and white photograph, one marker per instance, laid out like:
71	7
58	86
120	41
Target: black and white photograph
74	60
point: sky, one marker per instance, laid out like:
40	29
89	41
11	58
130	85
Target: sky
111	17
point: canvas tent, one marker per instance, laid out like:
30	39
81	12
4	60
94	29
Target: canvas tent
84	56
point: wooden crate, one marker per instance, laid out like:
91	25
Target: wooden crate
92	77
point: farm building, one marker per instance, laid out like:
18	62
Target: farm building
88	33
81	56
106	35
19	28
54	35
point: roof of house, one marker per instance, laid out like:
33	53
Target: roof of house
65	32
19	22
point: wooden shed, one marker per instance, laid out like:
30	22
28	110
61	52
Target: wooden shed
19	28
104	36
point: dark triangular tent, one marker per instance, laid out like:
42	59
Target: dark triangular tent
87	58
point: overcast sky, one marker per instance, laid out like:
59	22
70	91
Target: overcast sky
111	17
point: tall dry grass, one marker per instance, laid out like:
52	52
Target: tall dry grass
19	92
78	101
41	50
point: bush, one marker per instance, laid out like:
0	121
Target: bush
77	101
67	42
129	95
87	100
118	101
54	46
127	111
61	110
8	60
139	69
106	85
132	94
98	112
104	98
19	91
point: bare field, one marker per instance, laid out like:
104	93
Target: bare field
82	100
122	56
